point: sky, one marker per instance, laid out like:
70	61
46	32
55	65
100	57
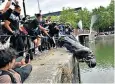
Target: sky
56	5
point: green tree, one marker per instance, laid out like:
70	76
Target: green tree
68	16
85	16
55	18
106	18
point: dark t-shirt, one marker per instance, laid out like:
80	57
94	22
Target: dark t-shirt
34	24
34	27
1	16
11	16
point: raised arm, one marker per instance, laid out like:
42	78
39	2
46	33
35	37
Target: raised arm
7	6
44	30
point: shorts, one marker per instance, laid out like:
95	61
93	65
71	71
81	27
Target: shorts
34	34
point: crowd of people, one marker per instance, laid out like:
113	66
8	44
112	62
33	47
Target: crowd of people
14	66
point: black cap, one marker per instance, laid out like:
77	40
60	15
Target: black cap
16	5
38	15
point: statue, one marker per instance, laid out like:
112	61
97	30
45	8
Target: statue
81	52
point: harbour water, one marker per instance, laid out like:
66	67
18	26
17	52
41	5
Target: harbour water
104	71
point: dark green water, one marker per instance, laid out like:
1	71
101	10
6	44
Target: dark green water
104	71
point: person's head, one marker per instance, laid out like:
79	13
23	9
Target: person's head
39	17
17	9
7	59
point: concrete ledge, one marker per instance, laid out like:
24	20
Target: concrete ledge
105	37
56	66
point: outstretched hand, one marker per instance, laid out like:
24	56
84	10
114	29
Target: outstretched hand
15	33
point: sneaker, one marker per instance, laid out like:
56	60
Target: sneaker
37	52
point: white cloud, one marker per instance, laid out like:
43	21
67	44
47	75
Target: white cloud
56	5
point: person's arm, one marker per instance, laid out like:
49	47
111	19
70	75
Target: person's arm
7	6
7	25
44	30
20	62
57	28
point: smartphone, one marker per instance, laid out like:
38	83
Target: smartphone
27	58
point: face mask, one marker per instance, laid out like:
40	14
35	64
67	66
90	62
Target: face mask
17	14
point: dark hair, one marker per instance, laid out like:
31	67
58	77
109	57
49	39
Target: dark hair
38	15
16	5
6	56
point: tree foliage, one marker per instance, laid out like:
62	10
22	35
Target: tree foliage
106	16
85	16
68	16
55	18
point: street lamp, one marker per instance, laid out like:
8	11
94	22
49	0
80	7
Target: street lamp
24	8
39	6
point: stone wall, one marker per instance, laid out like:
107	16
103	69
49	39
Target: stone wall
55	66
105	37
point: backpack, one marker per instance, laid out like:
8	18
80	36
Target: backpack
8	73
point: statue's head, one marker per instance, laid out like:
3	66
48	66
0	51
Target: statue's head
86	56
